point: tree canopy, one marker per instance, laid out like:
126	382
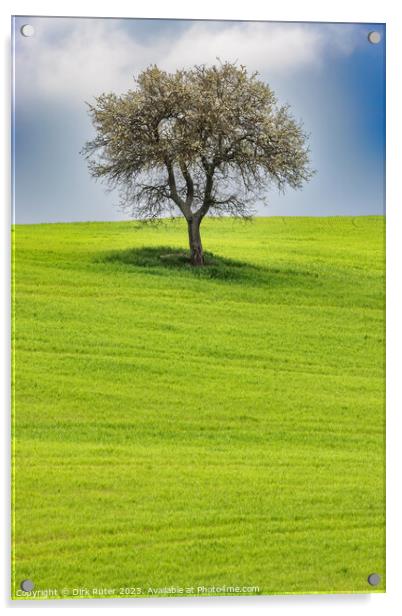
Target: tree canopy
208	140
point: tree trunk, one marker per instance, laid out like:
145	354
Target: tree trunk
194	237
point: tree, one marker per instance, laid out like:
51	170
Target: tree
205	140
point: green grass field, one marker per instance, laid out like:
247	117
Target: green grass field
199	428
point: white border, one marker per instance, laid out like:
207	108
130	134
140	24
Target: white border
286	10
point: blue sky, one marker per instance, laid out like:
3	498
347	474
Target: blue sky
332	77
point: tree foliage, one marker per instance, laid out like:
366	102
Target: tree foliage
205	140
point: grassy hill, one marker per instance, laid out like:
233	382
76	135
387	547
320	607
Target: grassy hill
199	428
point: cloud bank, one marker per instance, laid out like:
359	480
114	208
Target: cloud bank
76	59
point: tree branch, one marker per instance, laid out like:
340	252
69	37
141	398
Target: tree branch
189	184
185	209
209	182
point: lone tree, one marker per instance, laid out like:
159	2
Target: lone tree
205	140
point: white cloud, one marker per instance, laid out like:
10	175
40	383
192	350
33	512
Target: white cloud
276	47
93	56
74	60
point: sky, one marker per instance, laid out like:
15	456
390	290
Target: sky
332	77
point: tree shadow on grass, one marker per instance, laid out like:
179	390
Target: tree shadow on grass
162	260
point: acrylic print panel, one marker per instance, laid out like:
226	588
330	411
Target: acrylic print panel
198	308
